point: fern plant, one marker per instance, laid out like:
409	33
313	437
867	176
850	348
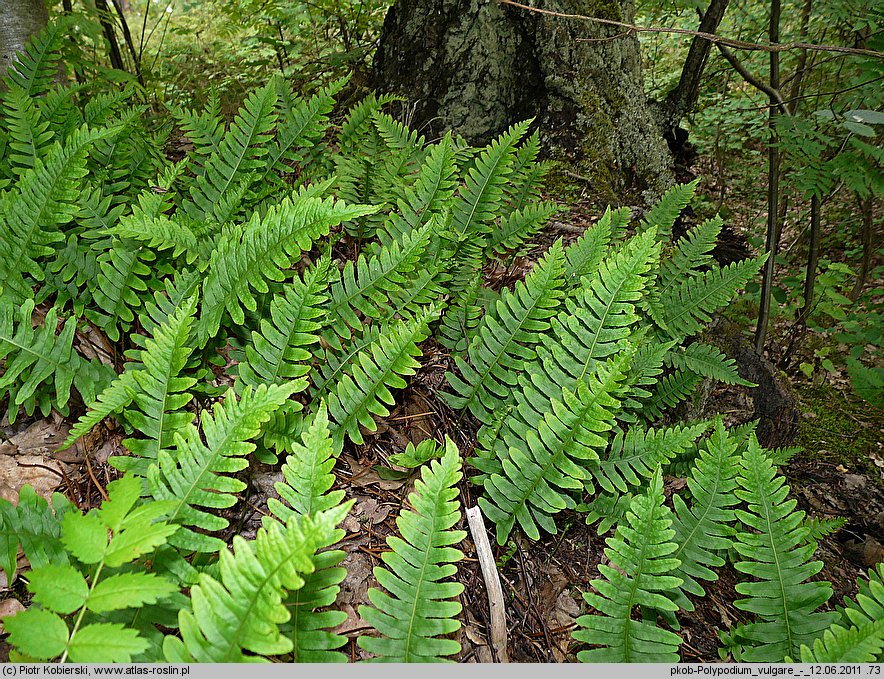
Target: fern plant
776	551
641	552
419	608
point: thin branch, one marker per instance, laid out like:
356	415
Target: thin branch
771	92
717	39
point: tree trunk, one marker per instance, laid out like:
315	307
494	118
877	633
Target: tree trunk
19	20
476	67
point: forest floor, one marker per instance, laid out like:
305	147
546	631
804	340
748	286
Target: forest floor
840	472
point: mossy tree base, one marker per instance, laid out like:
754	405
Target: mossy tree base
477	67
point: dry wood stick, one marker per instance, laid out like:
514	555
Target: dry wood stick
492	583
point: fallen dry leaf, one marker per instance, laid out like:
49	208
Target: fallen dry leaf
42	472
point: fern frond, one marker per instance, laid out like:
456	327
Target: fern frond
588	251
842	645
706	361
691	253
868	605
366	286
546	448
280	350
703	531
429	195
641	572
240	152
120	287
505	339
516	228
44	199
302	122
670	391
778	554
41	367
196	475
364	390
308	478
33	71
527	180
161	393
421	604
663	215
204	129
116	396
35	525
242	610
359	120
479	199
686	307
635	455
29	134
268	245
601	314
462	317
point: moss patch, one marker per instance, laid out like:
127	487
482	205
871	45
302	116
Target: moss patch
837	429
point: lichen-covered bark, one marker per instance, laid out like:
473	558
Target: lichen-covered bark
476	66
19	20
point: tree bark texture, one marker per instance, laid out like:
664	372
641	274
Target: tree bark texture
476	67
19	20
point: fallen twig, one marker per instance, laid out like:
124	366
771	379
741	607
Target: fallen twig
492	584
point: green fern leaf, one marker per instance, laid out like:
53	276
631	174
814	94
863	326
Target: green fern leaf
308	478
842	645
307	473
692	252
35	526
670	391
302	123
421	603
242	610
462	317
245	261
640	574
703	531
707	361
778	555
686	306
868	605
634	457
504	341
281	350
195	475
587	252
516	228
366	286
479	199
120	287
600	314
116	396
364	390
663	215
44	199
240	152
546	452
161	391
40	367
29	134
34	70
430	194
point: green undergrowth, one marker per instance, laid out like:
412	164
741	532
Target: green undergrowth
319	260
839	428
